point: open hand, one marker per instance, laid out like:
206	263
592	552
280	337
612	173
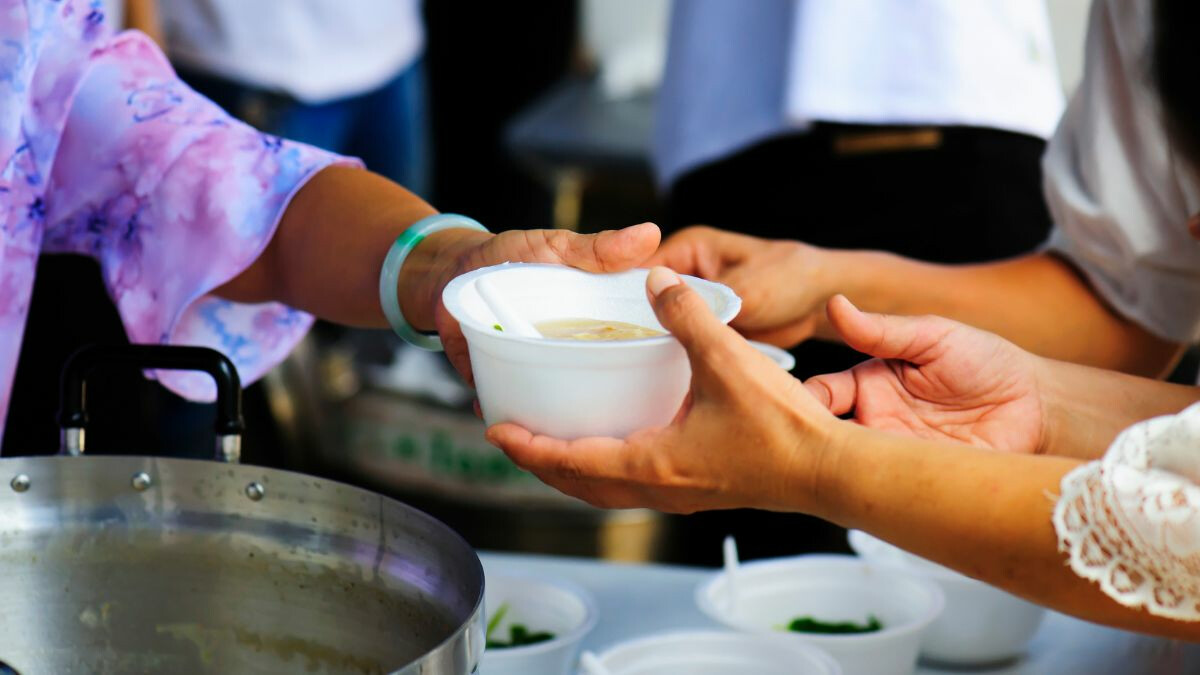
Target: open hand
935	378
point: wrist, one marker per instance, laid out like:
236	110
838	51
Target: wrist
1049	402
821	283
833	481
1068	428
854	274
431	265
819	455
862	470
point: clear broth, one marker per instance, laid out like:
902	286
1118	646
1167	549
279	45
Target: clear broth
595	330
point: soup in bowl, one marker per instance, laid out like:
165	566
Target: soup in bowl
608	369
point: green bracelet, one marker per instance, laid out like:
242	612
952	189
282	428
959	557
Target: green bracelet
389	275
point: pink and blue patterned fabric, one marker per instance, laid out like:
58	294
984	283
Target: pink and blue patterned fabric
107	154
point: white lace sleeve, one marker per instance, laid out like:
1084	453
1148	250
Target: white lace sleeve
1131	521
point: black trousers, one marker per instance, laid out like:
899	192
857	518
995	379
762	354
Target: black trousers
950	195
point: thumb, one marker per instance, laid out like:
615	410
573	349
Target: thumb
684	313
836	391
886	336
607	251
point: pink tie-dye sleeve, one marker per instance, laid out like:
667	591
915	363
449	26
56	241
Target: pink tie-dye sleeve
174	198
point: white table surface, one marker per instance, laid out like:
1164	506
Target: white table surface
637	600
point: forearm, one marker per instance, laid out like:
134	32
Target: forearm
1085	408
984	513
328	249
1037	301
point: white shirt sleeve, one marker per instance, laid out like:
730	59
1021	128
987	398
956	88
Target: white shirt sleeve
1120	198
1131	521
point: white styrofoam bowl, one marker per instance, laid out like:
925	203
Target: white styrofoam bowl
716	653
981	624
556	606
569	388
770	593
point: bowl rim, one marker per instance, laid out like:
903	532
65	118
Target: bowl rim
451	292
590	617
822	657
936	596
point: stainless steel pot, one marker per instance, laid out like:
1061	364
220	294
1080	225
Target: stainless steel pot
154	565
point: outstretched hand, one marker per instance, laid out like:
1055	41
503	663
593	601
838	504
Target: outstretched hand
935	378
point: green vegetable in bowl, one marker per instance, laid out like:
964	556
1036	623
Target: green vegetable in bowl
518	634
807	624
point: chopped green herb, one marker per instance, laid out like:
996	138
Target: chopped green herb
494	622
807	624
498	327
519	635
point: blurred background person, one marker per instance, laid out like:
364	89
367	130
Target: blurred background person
912	126
347	77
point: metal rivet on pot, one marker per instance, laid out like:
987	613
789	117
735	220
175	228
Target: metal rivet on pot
141	480
19	483
255	491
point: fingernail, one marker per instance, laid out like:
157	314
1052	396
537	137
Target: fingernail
660	279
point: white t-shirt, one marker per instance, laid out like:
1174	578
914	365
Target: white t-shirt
314	50
740	72
1119	196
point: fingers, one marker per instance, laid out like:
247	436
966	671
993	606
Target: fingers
695	250
703	251
885	336
684	313
836	391
604	472
608	251
454	344
584	458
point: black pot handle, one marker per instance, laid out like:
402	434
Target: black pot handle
72	413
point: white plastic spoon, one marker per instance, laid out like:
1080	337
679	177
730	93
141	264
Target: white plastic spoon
509	321
731	566
591	664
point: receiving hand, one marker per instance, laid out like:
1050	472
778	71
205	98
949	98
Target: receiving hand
610	251
748	435
779	281
935	378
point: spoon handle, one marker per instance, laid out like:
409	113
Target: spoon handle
591	664
509	320
730	551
